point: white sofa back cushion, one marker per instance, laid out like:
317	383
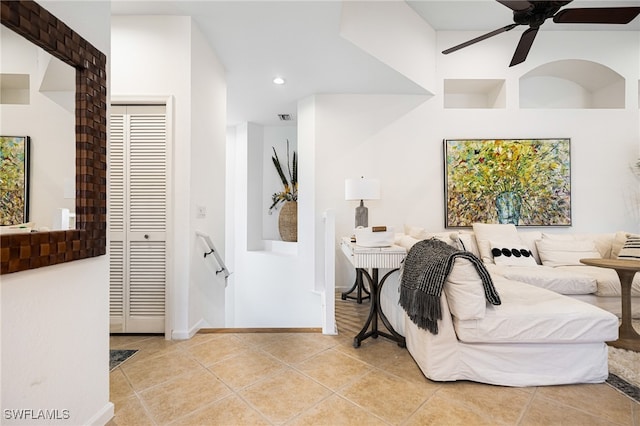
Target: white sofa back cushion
529	239
485	232
565	252
466	241
407	241
604	242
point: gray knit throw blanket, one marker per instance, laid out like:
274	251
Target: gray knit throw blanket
424	272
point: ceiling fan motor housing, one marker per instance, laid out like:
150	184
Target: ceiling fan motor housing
537	12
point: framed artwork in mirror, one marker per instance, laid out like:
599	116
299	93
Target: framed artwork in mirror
525	182
14	180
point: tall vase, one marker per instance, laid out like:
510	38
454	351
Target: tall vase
508	205
288	221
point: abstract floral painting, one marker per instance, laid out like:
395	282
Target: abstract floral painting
525	182
14	179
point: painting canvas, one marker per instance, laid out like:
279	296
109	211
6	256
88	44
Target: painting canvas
14	180
525	182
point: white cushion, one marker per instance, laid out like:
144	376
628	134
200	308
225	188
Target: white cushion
407	241
510	254
530	314
631	248
444	237
565	252
608	283
464	291
466	241
529	239
484	232
602	241
416	232
572	280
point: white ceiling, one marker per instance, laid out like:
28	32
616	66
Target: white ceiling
488	15
300	41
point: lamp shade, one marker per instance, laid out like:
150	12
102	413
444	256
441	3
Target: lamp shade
362	189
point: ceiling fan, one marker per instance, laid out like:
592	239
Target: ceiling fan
535	13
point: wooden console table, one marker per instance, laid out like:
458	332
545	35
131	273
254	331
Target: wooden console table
363	258
628	338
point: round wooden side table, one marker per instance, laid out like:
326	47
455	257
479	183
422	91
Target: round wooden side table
628	338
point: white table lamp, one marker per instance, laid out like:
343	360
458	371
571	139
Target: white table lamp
362	189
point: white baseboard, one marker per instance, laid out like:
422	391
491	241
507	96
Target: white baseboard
103	416
188	334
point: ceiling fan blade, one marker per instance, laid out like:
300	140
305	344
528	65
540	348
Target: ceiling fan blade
516	4
597	15
477	39
524	45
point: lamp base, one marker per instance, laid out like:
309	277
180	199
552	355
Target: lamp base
362	215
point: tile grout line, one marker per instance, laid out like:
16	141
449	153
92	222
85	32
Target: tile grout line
140	399
598	416
526	407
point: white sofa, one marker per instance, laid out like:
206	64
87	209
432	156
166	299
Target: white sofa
534	337
556	267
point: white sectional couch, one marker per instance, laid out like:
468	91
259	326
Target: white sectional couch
555	262
539	335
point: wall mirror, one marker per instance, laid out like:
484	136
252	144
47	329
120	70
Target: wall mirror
37	136
23	251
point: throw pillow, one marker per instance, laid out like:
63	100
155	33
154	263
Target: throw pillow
631	248
407	241
465	241
617	243
445	237
602	241
565	252
509	254
416	232
485	232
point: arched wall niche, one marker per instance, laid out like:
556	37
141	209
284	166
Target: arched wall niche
572	83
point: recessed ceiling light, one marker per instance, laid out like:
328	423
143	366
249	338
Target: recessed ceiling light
278	80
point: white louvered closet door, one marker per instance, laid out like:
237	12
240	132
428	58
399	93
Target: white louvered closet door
138	218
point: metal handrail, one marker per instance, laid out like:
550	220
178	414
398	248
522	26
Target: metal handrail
212	250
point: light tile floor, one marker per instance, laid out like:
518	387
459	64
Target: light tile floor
314	379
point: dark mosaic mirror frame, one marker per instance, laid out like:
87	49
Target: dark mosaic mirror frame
19	252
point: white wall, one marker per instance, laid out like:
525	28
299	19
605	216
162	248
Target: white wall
271	284
208	174
395	34
168	56
55	341
399	139
52	153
